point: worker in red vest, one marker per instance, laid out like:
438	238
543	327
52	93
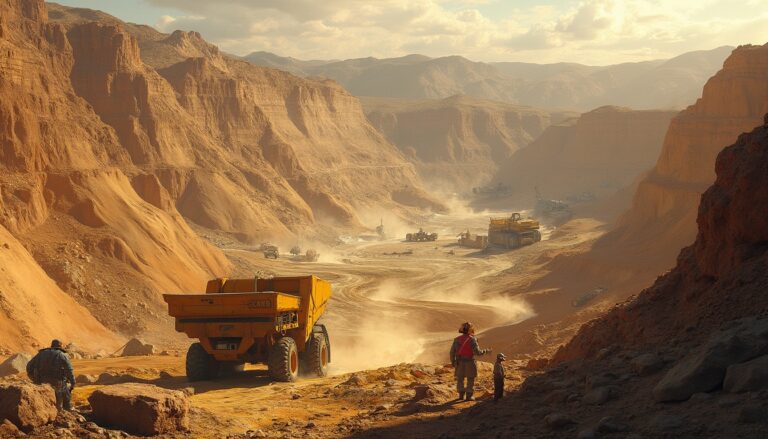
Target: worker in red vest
463	353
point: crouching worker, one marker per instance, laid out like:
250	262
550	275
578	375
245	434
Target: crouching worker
498	377
463	352
52	366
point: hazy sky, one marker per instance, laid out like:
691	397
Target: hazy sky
588	31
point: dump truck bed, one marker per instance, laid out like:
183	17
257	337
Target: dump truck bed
230	304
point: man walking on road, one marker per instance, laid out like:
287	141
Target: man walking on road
463	352
52	366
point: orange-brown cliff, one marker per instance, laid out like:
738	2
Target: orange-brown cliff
721	277
106	160
662	218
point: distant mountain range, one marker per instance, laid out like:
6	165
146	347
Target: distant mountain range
671	83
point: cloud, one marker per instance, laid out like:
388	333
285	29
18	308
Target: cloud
588	31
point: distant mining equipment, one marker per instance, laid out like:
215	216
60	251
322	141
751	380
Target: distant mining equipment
467	239
554	212
421	236
492	191
513	232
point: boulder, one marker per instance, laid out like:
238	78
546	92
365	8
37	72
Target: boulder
647	364
609	424
27	405
746	377
136	347
85	379
558	420
14	364
600	395
705	369
422	392
140	409
8	429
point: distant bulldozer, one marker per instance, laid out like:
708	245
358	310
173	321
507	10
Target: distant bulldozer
513	232
421	236
466	239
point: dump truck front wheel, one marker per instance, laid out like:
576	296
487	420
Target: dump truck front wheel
284	360
200	364
317	355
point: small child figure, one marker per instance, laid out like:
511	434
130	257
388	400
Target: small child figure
498	377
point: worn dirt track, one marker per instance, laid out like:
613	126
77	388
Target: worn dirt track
389	306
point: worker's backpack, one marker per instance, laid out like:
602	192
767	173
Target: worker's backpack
465	347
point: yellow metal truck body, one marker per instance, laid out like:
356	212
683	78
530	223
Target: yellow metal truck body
513	231
241	320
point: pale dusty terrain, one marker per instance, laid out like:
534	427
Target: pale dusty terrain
386	310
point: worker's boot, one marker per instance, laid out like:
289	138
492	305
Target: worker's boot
470	397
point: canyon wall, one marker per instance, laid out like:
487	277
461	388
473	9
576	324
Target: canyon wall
118	145
721	277
457	143
662	219
600	153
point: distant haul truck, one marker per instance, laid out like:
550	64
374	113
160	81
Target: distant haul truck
421	236
272	321
513	231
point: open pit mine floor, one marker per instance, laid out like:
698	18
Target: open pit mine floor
395	307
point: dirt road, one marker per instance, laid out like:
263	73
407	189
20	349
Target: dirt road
396	301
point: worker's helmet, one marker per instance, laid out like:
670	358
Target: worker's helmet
467	328
56	343
501	357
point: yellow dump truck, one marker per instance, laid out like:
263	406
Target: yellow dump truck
513	231
272	321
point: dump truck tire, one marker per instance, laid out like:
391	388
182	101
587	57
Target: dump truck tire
283	363
200	364
317	355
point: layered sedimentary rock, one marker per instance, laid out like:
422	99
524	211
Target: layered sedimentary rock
662	218
457	143
599	153
67	199
721	277
109	155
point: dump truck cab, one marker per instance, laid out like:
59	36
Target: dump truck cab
272	321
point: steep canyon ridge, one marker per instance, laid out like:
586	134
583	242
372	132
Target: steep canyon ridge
137	163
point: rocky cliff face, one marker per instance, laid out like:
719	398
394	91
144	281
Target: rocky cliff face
107	157
457	143
662	218
67	197
721	277
598	153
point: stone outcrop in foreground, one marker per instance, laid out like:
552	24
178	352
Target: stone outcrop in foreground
27	405
140	409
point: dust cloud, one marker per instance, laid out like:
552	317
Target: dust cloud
396	326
